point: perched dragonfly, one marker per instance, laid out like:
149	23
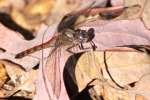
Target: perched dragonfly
67	35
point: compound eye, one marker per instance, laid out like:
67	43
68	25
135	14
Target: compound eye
91	34
91	31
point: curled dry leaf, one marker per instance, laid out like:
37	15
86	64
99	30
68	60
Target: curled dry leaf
21	80
125	67
14	71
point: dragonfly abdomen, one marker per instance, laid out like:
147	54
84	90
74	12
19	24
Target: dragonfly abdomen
34	49
29	51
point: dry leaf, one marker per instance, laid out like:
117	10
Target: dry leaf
21	79
3	75
124	67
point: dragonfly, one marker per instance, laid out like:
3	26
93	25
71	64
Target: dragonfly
66	29
67	35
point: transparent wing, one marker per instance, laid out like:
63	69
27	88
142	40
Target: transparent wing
50	66
51	73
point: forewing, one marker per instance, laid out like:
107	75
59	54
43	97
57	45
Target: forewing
52	73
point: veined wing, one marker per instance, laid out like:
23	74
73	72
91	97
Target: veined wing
51	73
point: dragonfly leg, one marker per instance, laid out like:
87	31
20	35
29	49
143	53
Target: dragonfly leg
69	48
93	45
81	46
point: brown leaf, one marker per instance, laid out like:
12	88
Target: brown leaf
124	66
22	80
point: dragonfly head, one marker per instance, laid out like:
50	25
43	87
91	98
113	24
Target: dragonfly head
84	36
79	35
